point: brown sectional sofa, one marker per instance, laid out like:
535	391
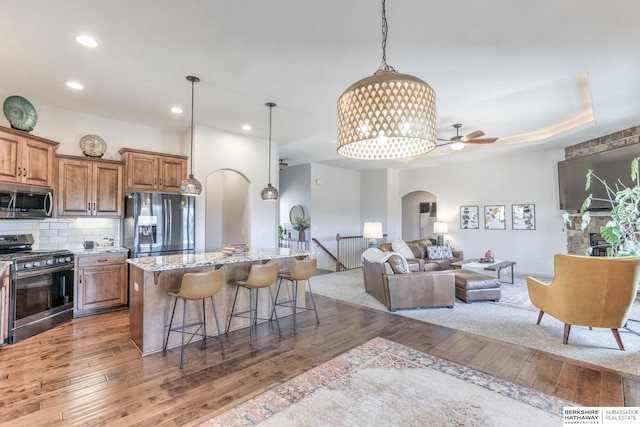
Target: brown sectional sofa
420	255
419	289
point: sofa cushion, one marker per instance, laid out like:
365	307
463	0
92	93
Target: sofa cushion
398	264
385	247
439	252
417	249
426	242
402	248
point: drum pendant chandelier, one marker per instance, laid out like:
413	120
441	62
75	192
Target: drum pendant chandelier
388	115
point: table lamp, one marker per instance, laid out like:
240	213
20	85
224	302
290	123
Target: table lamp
440	228
373	232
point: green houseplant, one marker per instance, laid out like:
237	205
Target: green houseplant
300	225
622	232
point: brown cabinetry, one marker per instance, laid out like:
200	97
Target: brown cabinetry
26	159
149	171
90	187
100	282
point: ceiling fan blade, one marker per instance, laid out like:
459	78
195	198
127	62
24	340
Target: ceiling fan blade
472	135
442	139
482	141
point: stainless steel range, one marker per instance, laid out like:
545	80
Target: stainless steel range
41	291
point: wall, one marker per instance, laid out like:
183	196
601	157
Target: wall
373	198
295	185
216	150
500	181
335	207
412	221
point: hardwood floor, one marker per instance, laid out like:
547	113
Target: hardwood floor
87	372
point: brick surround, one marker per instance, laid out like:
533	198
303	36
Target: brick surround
578	240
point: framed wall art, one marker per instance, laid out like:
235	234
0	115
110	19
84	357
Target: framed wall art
523	216
469	217
494	217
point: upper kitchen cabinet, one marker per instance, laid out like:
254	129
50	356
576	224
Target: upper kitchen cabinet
149	171
26	159
90	187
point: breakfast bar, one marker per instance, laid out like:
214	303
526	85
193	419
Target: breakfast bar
151	278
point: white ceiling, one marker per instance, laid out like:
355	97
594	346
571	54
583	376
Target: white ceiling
539	74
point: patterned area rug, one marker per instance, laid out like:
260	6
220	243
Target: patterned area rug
385	383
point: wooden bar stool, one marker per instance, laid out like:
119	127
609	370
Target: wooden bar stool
196	286
260	276
302	270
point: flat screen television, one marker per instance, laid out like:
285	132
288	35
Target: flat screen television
609	165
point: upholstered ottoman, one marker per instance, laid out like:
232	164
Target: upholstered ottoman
473	286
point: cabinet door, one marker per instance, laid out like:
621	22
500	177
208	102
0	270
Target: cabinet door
101	288
108	193
74	194
171	173
36	159
75	179
142	172
8	157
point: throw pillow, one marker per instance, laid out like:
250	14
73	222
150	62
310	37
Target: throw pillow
439	252
397	264
402	248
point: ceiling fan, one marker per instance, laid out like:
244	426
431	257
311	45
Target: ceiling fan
458	142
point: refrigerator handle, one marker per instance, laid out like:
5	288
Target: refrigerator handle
164	222
170	215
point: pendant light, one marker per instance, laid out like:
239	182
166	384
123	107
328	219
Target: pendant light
388	115
191	186
269	192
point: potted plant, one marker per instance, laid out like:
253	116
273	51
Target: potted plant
622	232
300	224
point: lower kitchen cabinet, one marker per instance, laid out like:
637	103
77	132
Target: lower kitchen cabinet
100	282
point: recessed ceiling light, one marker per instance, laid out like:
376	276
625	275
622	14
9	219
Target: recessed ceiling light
176	110
75	85
87	41
246	127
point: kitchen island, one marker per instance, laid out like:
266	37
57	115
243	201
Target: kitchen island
151	278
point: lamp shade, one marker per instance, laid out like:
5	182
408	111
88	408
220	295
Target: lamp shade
440	227
372	230
388	115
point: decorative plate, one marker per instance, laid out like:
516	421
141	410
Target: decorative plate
20	113
93	145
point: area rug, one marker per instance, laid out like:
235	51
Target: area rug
385	383
512	319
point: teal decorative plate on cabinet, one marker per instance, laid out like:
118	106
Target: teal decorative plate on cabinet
20	113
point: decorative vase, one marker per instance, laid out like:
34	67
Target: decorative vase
301	236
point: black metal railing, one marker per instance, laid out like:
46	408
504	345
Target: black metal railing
350	248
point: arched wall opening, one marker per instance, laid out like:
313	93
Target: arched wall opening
419	212
227	209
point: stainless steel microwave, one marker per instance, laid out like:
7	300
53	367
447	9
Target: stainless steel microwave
25	205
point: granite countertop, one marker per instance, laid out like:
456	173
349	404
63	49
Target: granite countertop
175	262
99	250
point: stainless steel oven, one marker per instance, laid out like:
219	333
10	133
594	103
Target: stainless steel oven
41	292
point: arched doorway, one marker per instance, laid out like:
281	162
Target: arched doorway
419	212
226	209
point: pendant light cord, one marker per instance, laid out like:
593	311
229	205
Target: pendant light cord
193	82
270	105
385	31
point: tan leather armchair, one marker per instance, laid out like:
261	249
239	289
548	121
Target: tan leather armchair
588	291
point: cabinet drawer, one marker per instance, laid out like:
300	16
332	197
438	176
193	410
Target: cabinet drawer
100	259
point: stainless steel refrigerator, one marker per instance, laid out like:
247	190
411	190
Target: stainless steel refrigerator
159	224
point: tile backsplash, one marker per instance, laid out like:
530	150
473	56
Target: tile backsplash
64	233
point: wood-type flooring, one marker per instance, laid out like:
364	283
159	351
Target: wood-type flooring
87	372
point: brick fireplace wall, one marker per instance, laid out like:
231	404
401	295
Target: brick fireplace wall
578	240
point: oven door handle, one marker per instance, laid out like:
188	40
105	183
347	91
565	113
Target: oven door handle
32	273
